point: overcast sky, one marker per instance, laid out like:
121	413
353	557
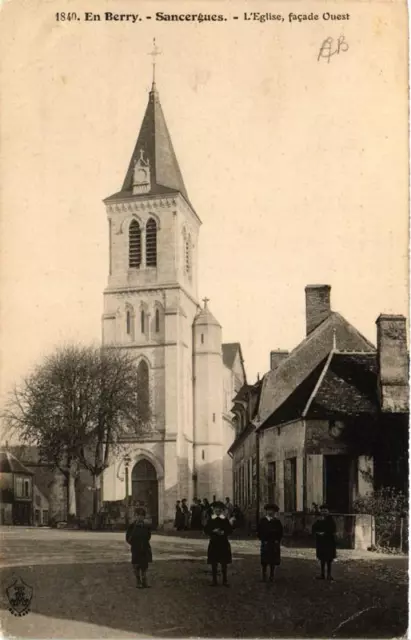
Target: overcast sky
296	167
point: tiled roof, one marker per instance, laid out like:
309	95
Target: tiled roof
349	386
305	358
243	393
254	393
155	141
230	350
342	384
10	464
293	407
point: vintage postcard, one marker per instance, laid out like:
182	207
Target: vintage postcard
204	396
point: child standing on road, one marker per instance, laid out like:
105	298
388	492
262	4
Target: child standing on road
324	531
138	537
270	532
219	549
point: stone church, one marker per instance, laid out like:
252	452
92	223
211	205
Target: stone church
186	377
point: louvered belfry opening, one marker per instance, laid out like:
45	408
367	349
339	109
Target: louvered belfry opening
151	243
134	250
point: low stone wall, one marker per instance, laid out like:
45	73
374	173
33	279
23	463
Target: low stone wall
354	531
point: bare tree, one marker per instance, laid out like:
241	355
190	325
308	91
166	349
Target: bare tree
77	406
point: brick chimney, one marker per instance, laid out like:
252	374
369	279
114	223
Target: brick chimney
392	363
317	305
276	357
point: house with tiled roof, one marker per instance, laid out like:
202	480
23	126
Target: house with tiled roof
16	491
326	411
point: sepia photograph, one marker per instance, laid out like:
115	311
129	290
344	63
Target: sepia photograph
204	389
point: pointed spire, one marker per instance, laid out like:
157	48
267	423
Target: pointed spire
153	168
154	53
155	147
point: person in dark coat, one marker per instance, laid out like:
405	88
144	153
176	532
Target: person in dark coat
186	513
179	517
206	512
325	544
196	513
218	528
138	537
270	532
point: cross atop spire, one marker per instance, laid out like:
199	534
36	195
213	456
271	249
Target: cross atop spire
154	53
205	300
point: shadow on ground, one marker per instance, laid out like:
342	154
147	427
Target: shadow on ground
180	602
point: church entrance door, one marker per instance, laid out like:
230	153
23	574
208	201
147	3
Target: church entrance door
144	488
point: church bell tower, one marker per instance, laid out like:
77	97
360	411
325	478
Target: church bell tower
149	306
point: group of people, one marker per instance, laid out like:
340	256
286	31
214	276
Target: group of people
219	525
197	516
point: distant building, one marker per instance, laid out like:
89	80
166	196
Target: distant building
50	486
332	416
16	491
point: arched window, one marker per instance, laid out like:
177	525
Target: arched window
151	243
157	321
134	245
130	322
143	392
143	321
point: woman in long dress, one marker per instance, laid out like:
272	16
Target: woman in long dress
179	517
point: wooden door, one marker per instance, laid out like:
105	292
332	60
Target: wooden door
144	488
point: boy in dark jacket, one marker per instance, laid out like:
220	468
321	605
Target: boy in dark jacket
138	537
325	544
270	532
218	528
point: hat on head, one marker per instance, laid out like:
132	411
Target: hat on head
218	505
140	511
271	507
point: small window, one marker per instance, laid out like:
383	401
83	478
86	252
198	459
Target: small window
202	454
143	321
134	245
26	488
202	338
151	243
213	417
157	321
128	322
19	487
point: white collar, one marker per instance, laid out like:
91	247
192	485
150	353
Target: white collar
269	518
214	516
